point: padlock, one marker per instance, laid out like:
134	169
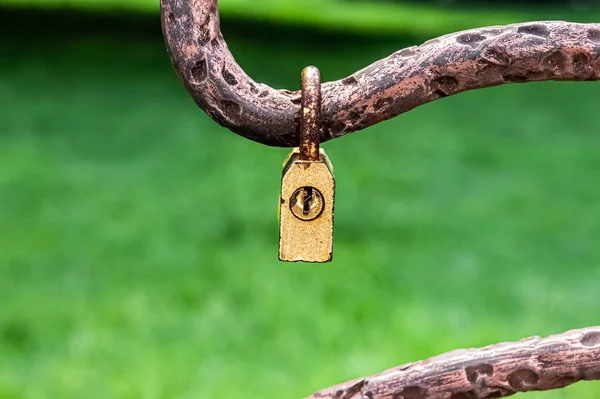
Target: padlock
307	187
306	210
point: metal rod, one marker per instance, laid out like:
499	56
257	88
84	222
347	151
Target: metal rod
310	114
442	67
496	371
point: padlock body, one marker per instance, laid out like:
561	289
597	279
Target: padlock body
306	210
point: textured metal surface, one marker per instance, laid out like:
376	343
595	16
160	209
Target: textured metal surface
497	371
407	79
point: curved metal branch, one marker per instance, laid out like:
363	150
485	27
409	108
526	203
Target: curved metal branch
496	371
407	79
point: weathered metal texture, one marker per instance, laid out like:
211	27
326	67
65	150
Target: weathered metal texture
497	371
407	79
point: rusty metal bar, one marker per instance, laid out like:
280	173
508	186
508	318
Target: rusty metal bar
411	77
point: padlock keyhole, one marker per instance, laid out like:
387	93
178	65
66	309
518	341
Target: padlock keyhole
307	203
308	198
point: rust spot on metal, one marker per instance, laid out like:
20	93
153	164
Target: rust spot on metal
495	56
591	339
556	62
253	88
383	102
471	38
444	86
522	379
350	80
534	29
475	372
228	76
203	38
200	71
581	62
407	52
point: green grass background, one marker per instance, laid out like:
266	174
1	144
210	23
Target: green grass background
138	239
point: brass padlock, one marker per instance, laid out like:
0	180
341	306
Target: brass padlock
307	186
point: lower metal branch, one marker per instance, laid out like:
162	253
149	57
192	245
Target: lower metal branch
496	371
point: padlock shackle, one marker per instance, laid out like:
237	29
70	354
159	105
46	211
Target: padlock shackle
310	114
409	78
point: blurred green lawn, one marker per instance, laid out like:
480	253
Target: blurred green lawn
362	16
138	239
